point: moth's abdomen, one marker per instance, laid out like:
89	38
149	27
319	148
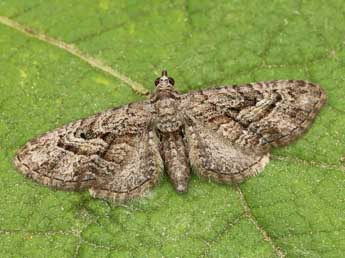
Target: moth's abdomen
175	158
168	124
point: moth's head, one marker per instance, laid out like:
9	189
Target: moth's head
164	81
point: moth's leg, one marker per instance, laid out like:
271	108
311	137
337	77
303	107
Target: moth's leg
219	160
175	158
133	166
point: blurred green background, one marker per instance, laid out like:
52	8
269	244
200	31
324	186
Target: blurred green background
295	208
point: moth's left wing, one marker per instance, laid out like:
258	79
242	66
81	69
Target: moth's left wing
114	153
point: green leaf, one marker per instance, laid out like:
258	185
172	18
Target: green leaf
63	60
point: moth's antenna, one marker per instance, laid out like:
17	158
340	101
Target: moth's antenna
165	72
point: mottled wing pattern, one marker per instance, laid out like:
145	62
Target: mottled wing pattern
243	122
216	158
114	154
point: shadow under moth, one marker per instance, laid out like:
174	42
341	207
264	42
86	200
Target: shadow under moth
224	133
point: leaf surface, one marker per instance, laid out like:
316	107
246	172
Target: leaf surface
295	208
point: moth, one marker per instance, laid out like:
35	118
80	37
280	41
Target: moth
225	134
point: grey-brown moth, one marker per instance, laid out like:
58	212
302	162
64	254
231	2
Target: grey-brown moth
225	133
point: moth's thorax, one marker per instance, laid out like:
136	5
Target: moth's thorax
166	107
164	91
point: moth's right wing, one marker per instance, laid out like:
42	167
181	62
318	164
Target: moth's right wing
230	129
257	115
114	154
216	158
